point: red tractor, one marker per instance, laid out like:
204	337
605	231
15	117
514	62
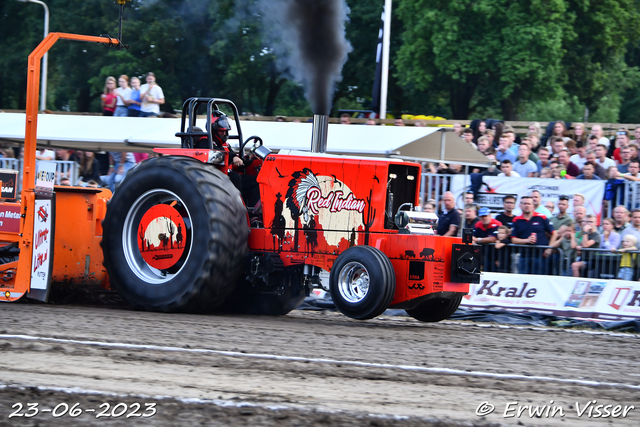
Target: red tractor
180	235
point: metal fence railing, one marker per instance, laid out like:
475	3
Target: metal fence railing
588	263
64	169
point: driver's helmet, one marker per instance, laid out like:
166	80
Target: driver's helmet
220	127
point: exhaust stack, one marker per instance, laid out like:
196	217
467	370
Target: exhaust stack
319	133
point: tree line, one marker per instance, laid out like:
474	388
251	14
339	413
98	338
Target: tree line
460	59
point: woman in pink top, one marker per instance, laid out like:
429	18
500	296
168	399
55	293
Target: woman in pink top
109	97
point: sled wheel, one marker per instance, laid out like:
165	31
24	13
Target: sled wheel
436	309
362	282
174	236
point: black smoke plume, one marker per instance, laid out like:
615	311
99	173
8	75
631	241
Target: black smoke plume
310	41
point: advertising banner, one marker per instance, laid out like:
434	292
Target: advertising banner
41	245
574	297
494	189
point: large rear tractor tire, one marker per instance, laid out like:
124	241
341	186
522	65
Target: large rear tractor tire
362	282
436	309
175	236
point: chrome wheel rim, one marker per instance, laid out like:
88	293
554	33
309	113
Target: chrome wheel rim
135	261
353	282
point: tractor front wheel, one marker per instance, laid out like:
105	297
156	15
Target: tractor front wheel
362	282
175	236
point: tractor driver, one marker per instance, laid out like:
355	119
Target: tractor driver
220	134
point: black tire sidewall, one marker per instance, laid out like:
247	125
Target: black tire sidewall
169	176
376	300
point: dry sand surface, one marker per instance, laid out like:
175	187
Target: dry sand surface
306	368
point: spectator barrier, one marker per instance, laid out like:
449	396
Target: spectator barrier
595	299
68	169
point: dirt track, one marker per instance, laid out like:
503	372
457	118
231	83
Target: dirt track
244	370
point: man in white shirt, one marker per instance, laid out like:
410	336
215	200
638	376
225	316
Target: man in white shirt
524	166
601	157
152	97
580	158
507	169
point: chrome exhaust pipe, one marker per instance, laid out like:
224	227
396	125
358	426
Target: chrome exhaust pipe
319	133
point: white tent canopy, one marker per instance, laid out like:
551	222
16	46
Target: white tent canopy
143	134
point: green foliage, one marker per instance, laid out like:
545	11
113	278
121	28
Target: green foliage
532	60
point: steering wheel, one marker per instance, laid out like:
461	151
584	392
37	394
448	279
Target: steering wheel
257	143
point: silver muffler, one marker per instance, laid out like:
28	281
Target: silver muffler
319	133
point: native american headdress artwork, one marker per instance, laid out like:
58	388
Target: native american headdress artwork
297	193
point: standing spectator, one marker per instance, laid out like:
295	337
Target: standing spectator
534	137
636	136
490	134
109	97
634	227
486	230
600	171
609	240
566	241
483	144
601	152
622	140
345	119
580	158
543	155
578	200
449	217
470	215
620	218
579	213
467	135
563	217
550	206
420	124
614	188
468	198
507	169
571	169
597	131
507	217
525	167
560	131
634	168
372	122
502	250
536	197
429	207
399	122
122	162
511	135
134	103
531	228
588	172
152	97
592	142
579	133
545	173
557	145
625	158
89	168
123	94
627	261
535	127
532	156
588	237
503	152
457	129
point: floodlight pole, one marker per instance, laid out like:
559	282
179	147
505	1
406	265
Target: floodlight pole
45	58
